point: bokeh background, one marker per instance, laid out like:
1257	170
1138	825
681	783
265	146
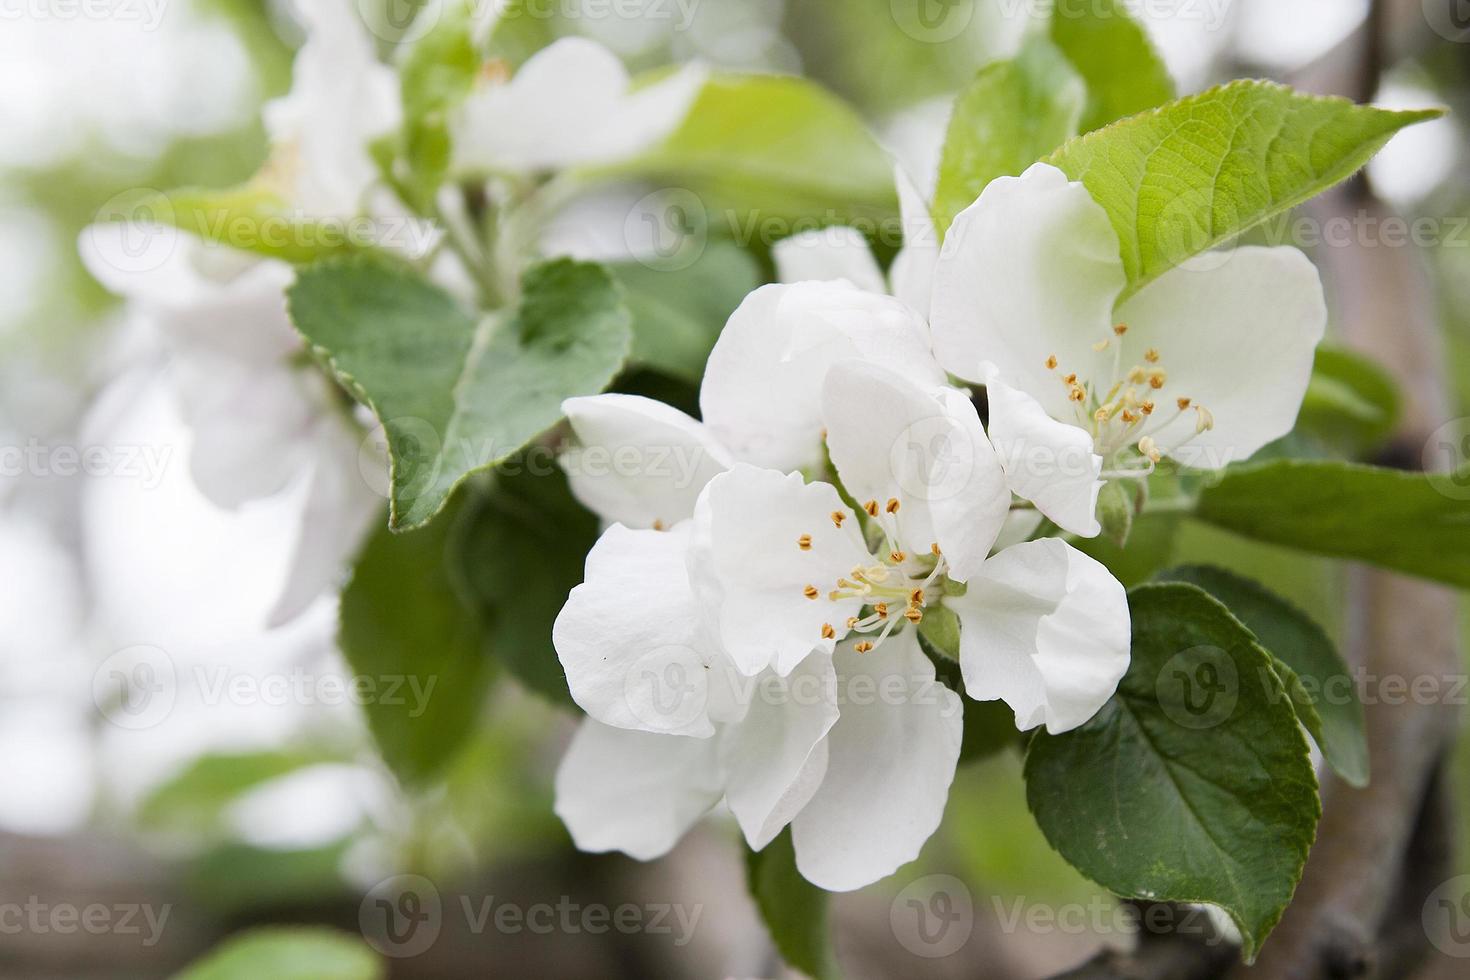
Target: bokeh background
270	806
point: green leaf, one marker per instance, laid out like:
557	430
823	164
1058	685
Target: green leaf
520	548
1399	520
288	953
406	628
251	217
1014	113
454	393
793	909
236	879
1196	173
776	146
1351	403
1112	53
1194	783
437	73
192	802
520	31
1326	697
678	313
1116	503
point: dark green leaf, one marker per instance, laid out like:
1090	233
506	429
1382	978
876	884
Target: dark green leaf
404	622
1194	783
456	393
1386	517
520	548
1309	664
793	909
679	313
1014	113
1112	53
1351	404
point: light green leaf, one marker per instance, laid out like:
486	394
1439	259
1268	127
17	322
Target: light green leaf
454	393
793	909
1325	696
1014	113
520	548
777	147
1196	173
1112	52
404	622
1194	783
678	313
436	74
284	953
1386	517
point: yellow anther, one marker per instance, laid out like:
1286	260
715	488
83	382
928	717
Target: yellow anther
1120	328
882	610
913	614
1102	414
1136	375
935	548
1077	394
1101	345
1151	355
834	595
658	525
1147	408
916	597
1157	377
892	505
810	592
1183	403
1149	448
1051	362
1205	422
871	507
1070	379
852	622
863	647
827	631
896	557
1129	417
838	517
804	542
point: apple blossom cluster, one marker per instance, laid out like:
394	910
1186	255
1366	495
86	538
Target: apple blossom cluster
840	490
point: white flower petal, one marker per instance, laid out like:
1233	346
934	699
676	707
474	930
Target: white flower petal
638	461
1237	332
912	272
776	757
761	395
1030	270
925	448
1044	628
634	792
1047	462
838	252
891	759
749	573
568	104
627	635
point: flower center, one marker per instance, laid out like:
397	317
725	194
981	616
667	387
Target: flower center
894	586
1123	410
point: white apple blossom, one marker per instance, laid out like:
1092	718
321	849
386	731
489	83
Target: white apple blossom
1206	364
262	416
571	103
642	463
856	751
